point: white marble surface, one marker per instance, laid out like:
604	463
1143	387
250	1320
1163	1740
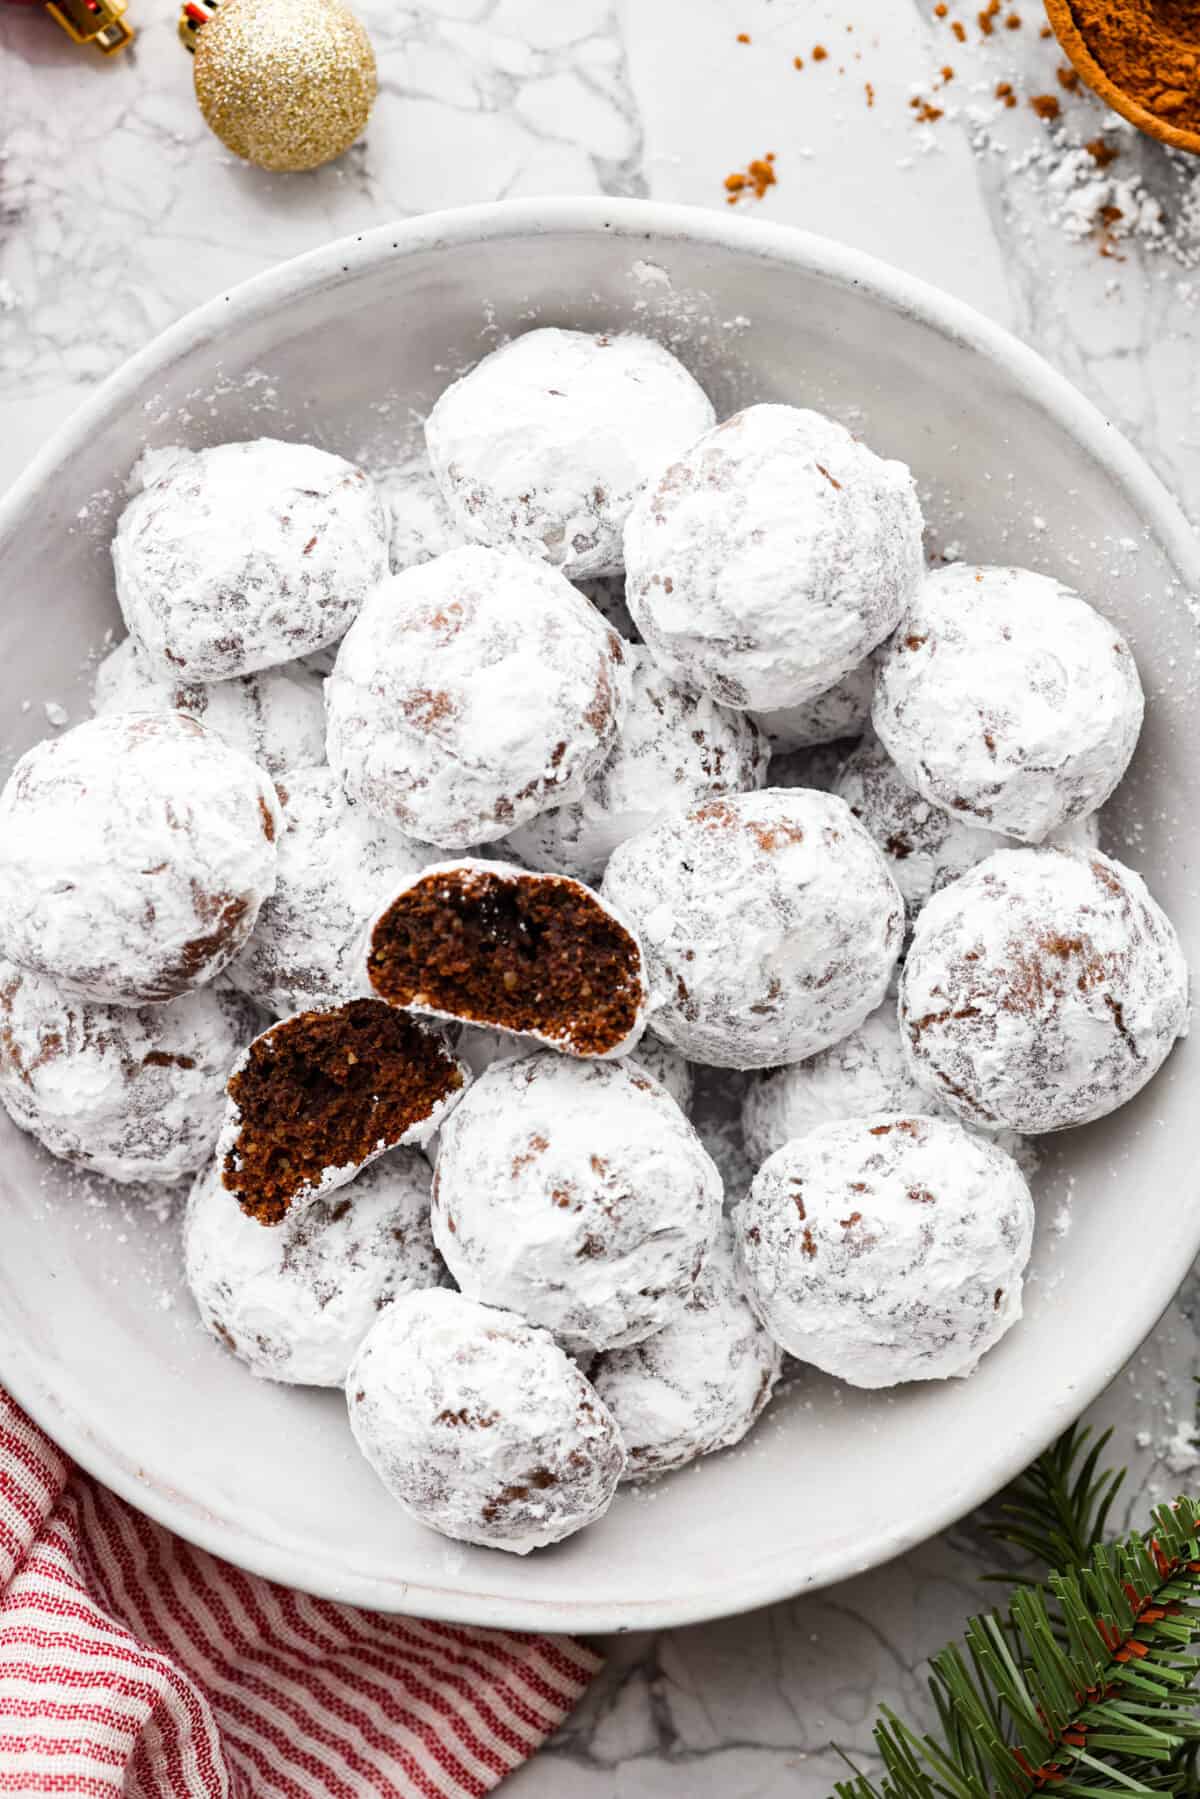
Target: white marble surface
118	211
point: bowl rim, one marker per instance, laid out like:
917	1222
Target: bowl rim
340	263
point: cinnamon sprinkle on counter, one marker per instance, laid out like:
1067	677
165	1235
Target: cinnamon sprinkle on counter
758	175
1045	105
1100	152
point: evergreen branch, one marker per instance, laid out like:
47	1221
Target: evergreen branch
1058	1510
1084	1685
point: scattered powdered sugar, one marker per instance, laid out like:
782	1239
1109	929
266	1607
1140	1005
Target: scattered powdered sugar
1007	699
578	1194
887	1249
771	559
676	748
1042	989
135	1093
276	717
135	852
548	441
479	1424
471	693
697	1385
295	1300
721	897
244	555
336	865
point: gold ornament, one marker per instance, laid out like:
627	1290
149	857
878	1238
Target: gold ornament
288	84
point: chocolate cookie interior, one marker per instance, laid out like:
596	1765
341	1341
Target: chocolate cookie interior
517	952
323	1090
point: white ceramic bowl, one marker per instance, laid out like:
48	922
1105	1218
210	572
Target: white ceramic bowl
97	1337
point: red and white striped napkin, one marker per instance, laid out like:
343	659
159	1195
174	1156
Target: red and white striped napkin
132	1664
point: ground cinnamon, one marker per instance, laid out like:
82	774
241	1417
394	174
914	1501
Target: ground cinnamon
1150	49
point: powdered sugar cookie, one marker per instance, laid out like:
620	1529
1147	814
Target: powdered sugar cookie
473	692
887	1249
479	1424
135	1093
244	555
1043	989
1008	700
135	853
768	922
769	560
578	1194
546	443
676	748
294	1300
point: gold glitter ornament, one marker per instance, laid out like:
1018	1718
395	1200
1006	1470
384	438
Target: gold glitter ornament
288	84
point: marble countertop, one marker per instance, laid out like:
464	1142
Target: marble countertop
118	212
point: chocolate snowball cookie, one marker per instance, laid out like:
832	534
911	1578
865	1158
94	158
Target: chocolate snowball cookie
474	691
1008	700
578	1194
132	1092
768	922
295	1302
676	748
697	1385
843	710
135	852
1043	989
490	944
546	443
318	1096
336	864
479	1424
867	1071
887	1249
277	717
769	560
924	846
861	1073
240	556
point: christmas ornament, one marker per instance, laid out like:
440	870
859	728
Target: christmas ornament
288	84
98	23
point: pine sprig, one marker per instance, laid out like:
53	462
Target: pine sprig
1058	1510
1082	1687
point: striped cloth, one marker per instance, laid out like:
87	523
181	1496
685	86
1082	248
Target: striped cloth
132	1664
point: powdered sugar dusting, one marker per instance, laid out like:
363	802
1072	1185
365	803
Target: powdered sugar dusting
479	1425
294	1300
471	693
548	441
768	922
578	1194
887	1248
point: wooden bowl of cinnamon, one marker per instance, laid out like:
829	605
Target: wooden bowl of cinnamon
1142	57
